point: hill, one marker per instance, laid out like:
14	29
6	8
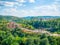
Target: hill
33	30
50	23
18	19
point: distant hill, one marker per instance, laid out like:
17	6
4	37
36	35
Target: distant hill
41	17
18	19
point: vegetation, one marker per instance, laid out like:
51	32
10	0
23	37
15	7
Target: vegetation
15	36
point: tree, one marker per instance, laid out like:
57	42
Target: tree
29	42
37	41
44	42
52	40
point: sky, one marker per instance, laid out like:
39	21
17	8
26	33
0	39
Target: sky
22	8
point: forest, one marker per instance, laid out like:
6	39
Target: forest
15	35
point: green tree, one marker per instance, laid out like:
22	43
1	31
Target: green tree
44	42
52	40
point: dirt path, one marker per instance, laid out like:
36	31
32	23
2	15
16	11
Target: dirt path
39	31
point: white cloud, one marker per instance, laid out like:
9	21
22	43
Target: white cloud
46	10
32	1
52	9
6	3
43	10
9	4
21	1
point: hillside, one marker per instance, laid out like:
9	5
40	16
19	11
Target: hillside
50	23
40	30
